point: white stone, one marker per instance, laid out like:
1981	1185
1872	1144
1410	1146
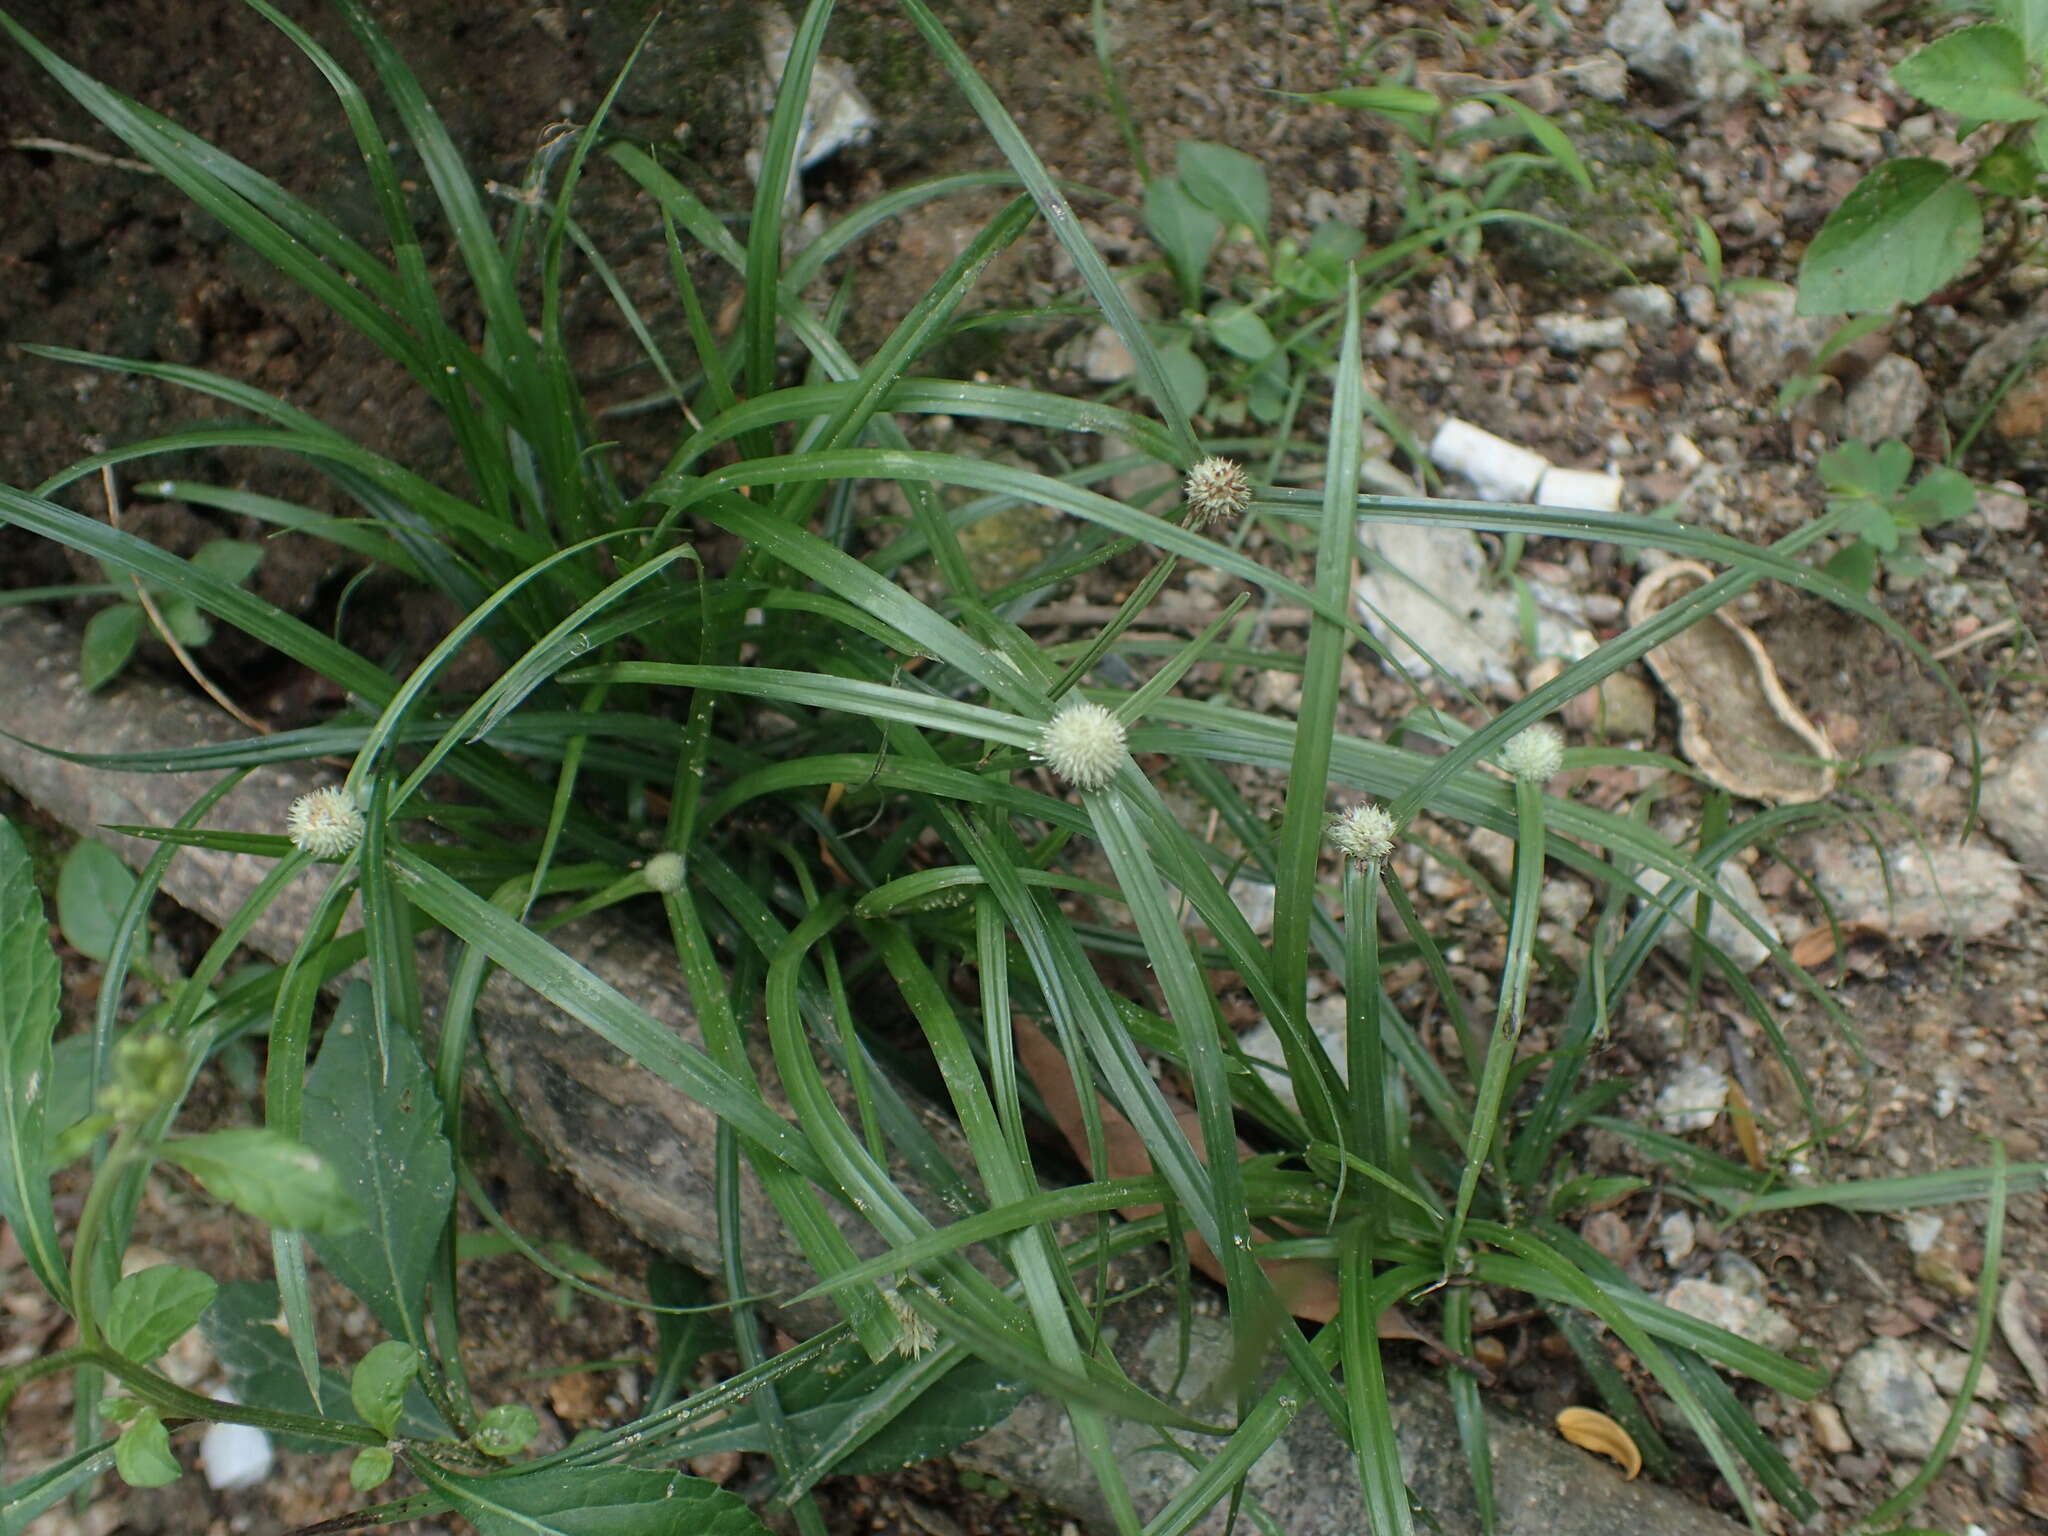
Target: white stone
1676	1238
1888	401
1693	1099
1254	899
235	1455
1106	360
1725	931
1589	490
1498	469
1571	335
1889	1401
1602	76
1649	305
1327	1021
1736	1311
1643	33
1431	585
1922	1230
1711	63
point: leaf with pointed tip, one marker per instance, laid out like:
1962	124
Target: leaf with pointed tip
29	983
402	1176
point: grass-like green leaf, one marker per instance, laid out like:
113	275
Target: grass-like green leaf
591	1501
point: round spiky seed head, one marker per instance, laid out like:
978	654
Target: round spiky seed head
1217	488
1083	744
1535	755
1365	834
326	823
663	872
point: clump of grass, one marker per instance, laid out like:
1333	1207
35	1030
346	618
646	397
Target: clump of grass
727	701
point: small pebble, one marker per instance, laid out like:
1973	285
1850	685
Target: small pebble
1570	335
1676	1237
1828	1428
235	1455
1692	1100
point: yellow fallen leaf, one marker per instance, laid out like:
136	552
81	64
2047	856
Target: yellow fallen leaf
1594	1431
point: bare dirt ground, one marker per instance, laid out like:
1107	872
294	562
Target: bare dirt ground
1682	403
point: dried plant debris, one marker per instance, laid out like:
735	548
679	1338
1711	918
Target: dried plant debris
1736	724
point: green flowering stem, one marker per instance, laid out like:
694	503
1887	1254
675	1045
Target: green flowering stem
1514	993
175	1402
124	1155
1126	615
1365	1068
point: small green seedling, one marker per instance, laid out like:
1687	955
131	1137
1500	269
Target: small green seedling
1883	519
112	633
1245	343
1912	225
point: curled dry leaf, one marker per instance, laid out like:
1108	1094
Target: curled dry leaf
1591	1430
1736	724
2022	1318
1817	945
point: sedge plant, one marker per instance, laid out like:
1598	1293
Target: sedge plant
859	788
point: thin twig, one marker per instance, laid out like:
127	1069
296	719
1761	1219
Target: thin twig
80	152
2004	626
163	629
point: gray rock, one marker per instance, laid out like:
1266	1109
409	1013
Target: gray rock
1676	1237
1570	335
1649	305
1704	62
1737	1311
1888	1401
1969	892
1888	401
1741	1274
2016	801
1845	141
1692	1100
2003	506
1432	585
1765	340
1724	929
1711	63
2019	420
1105	359
1644	34
1630	217
1603	76
1917	781
1841	13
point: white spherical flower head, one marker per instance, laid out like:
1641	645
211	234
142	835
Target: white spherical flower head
326	823
1217	488
663	872
1365	834
1083	744
1535	755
